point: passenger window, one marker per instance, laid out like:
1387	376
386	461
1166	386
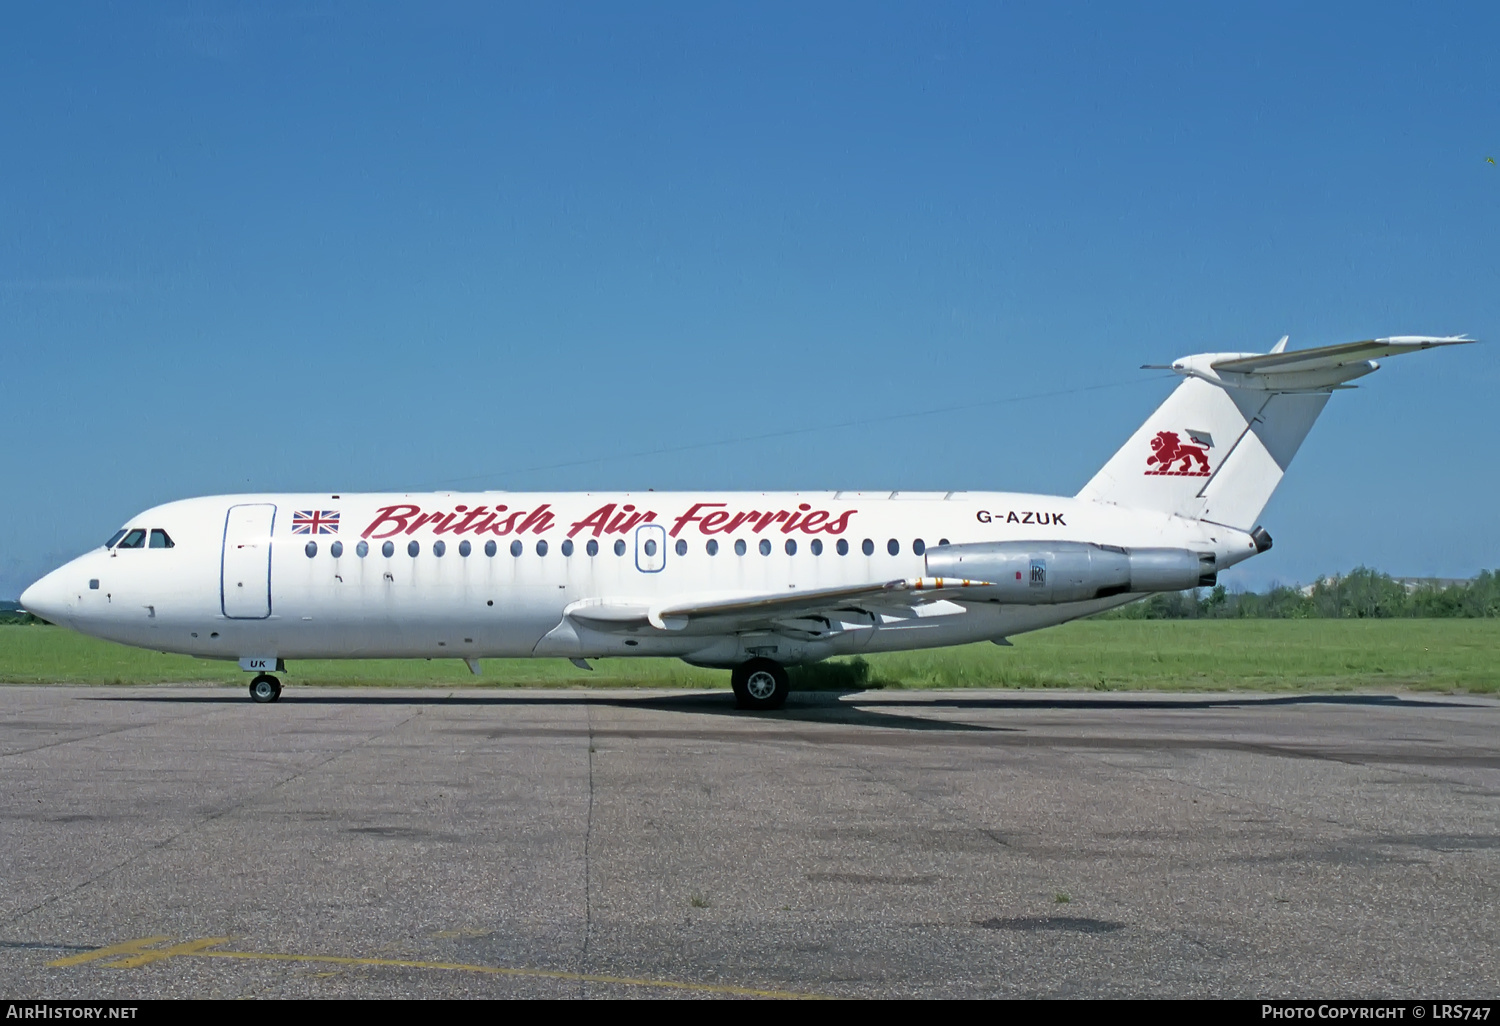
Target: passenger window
713	546
765	546
413	548
682	546
311	548
919	546
867	547
490	548
135	539
843	546
739	546
592	548
650	546
817	546
567	547
515	548
362	549
337	548
541	547
942	542
791	547
114	538
893	547
388	549
464	548
620	547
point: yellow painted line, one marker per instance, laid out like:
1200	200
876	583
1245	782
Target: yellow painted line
123	948
139	953
150	955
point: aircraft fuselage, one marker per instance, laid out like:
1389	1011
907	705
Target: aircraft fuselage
492	574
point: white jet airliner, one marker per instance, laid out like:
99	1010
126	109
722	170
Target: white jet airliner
749	581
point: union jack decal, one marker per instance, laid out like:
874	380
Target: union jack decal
315	521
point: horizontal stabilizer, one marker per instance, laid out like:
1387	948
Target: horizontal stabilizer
1327	357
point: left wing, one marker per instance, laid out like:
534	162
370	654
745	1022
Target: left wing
742	612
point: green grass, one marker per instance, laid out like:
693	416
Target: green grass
1163	655
1189	655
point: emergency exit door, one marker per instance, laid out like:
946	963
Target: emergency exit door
650	548
245	571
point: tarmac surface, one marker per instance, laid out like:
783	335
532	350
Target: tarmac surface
174	841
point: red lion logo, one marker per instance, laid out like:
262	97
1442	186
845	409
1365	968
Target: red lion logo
1167	449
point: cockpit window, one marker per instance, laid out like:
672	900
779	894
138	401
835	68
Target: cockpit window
114	538
135	539
159	539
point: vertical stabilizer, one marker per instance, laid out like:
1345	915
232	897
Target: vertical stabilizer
1218	447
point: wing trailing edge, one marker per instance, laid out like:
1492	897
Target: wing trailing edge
734	612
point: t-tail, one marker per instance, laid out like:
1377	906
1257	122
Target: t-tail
1218	447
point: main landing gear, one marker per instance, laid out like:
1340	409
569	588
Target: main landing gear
760	684
265	688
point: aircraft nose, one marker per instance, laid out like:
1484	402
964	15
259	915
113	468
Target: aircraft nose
47	598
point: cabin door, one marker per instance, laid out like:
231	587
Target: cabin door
245	571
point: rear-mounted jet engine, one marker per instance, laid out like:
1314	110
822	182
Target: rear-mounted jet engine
1041	573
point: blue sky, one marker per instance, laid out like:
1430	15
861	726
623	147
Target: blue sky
348	246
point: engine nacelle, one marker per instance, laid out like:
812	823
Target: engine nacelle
1040	573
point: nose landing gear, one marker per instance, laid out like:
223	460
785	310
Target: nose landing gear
760	684
265	688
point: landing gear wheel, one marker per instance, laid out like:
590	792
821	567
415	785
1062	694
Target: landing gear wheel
760	684
265	688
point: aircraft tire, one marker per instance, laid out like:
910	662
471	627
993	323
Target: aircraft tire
265	688
760	684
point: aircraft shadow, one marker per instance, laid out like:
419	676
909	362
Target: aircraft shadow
1226	701
827	706
825	709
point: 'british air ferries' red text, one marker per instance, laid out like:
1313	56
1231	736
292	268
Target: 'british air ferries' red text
610	518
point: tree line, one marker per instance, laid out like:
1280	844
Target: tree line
1362	593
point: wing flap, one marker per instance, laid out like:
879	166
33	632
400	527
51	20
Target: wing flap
737	612
783	605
